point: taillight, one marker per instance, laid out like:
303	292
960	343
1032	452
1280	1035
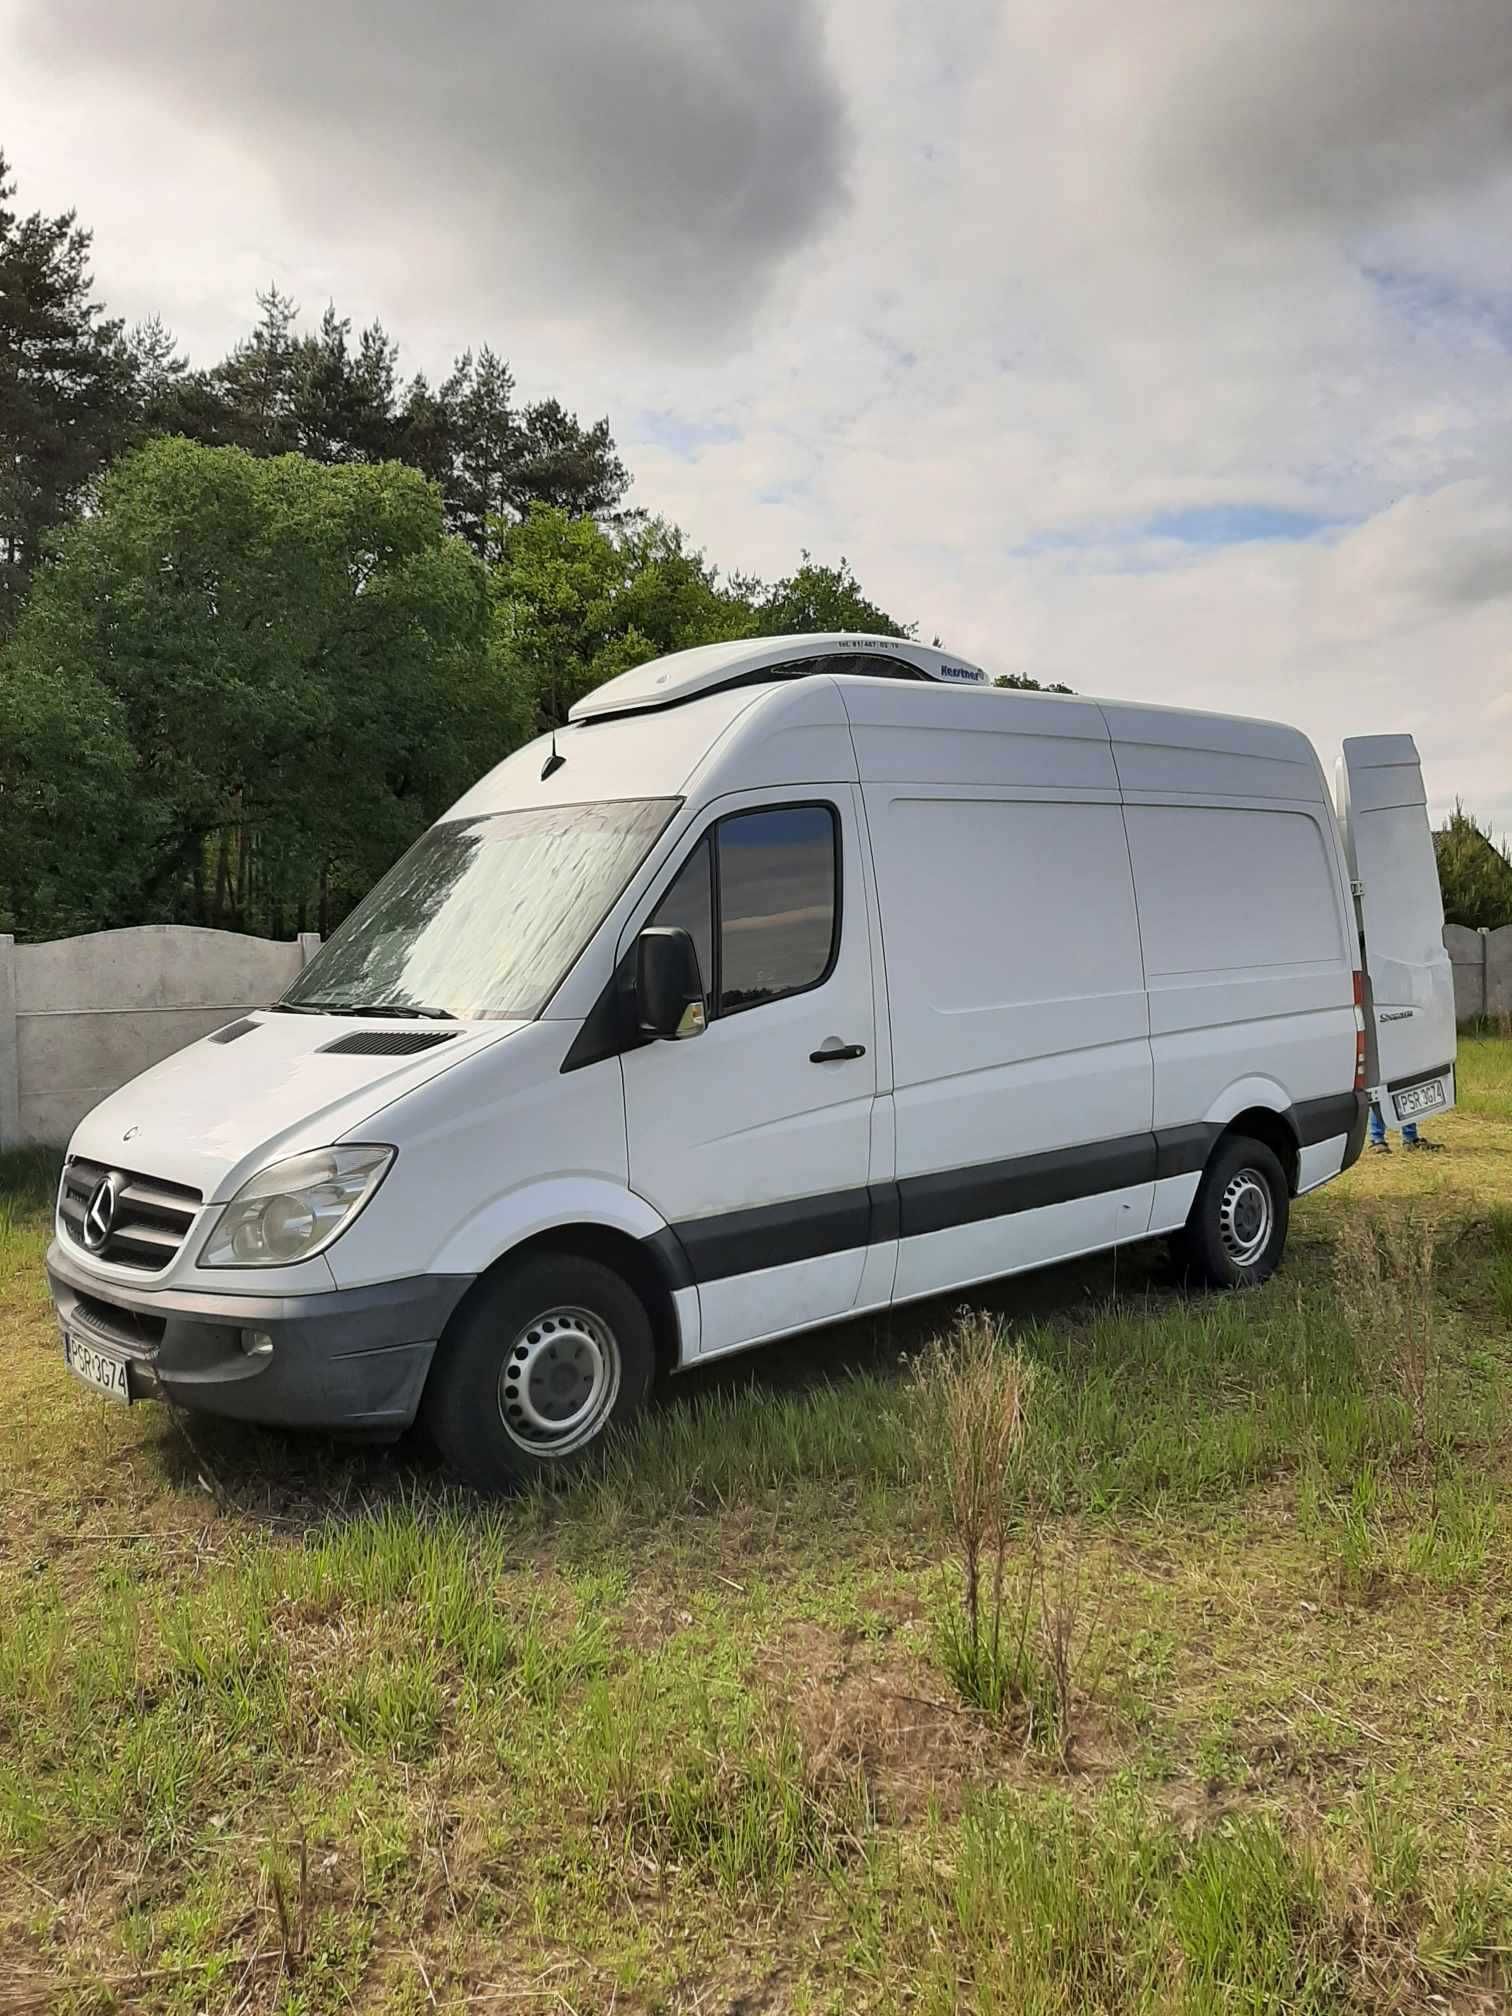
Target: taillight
1359	1008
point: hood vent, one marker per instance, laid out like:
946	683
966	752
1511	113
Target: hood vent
387	1042
230	1034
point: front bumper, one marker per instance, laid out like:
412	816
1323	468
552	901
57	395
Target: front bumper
355	1358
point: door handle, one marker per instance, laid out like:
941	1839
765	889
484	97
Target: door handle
833	1051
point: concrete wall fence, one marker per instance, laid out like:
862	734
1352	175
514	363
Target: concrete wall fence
80	1016
1482	971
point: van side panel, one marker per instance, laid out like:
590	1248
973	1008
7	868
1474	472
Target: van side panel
1248	963
1022	1081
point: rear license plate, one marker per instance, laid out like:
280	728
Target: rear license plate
1420	1099
100	1369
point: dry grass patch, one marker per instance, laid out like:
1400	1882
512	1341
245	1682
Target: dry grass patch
680	1738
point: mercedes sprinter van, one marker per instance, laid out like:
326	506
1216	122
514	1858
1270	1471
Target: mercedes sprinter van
791	979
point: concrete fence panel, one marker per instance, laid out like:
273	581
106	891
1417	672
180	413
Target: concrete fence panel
1482	962
81	1016
1499	971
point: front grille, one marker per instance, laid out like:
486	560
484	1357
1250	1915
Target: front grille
124	1328
150	1221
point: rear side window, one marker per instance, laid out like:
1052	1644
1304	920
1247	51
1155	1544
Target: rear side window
759	896
776	903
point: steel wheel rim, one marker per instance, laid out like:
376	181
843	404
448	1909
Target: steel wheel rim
559	1381
1246	1217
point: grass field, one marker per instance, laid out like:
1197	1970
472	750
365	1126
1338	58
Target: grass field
287	1726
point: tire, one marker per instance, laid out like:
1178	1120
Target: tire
540	1363
1236	1233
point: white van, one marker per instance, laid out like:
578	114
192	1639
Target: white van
791	980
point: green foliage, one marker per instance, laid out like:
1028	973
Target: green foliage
67	386
576	604
815	598
282	392
1020	682
1475	875
268	677
266	658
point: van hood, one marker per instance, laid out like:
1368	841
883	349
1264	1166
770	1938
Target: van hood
214	1113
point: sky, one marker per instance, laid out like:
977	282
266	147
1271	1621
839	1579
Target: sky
1160	347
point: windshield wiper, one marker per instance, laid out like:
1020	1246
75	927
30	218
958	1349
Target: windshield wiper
414	1014
417	1014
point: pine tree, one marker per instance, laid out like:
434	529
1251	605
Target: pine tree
565	465
485	448
343	405
67	391
1475	874
254	388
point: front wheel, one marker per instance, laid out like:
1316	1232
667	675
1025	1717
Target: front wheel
540	1363
1236	1233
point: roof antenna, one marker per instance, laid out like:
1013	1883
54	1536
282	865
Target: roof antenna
553	762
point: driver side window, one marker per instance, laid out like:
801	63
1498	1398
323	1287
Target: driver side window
690	903
759	896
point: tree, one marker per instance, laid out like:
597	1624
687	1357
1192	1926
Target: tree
1475	875
73	827
817	598
495	460
575	604
1020	682
568	466
67	386
254	388
343	405
159	374
482	449
299	661
280	392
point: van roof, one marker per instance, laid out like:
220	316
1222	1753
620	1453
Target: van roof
713	668
793	730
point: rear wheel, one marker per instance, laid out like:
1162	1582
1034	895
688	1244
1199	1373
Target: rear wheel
1236	1233
540	1363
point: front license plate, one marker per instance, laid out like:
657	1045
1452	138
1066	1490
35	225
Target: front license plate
1420	1099
100	1369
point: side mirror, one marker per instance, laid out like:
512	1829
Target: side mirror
668	985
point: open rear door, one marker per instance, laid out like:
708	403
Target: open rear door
1409	994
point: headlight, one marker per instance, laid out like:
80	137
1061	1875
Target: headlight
296	1208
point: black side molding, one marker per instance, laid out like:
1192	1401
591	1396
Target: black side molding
949	1197
803	1228
1354	1146
1325	1119
776	1235
1183	1151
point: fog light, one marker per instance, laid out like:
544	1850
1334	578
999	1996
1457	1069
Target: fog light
257	1343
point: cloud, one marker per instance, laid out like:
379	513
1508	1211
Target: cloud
1156	346
655	159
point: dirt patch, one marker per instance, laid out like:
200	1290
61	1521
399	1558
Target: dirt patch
880	1712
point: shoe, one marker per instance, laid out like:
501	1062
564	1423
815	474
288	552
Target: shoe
1380	1147
1426	1147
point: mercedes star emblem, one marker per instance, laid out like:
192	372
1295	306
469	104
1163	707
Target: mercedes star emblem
99	1214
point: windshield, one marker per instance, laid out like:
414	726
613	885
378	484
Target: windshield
483	918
